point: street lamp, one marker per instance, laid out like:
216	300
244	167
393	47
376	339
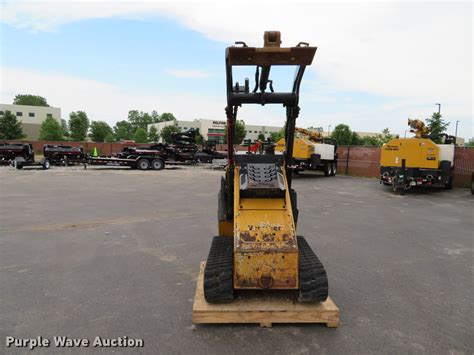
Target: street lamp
439	108
329	129
456	132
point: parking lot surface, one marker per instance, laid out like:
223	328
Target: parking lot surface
116	252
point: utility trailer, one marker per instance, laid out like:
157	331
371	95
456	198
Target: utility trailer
10	151
63	154
20	155
142	162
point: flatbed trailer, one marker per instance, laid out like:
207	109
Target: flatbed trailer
142	162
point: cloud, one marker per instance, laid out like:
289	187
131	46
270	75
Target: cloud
100	100
103	101
410	54
191	74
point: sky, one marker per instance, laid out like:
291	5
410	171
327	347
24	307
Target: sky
377	63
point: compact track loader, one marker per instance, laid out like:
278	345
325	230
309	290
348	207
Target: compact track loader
257	247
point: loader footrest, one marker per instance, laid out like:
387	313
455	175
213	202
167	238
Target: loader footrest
218	274
313	281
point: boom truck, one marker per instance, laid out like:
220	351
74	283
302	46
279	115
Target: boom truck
417	161
311	151
257	247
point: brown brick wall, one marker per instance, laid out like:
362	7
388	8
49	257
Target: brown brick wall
365	161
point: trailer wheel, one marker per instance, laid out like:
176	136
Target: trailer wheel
143	164
327	169
394	185
449	184
472	184
46	164
157	164
334	169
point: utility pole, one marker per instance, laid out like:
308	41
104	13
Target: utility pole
439	108
329	130
405	133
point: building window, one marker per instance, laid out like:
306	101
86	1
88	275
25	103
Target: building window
49	115
19	114
215	130
185	127
31	114
266	132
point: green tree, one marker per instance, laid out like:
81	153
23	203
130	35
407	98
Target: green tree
167	116
385	137
99	130
10	127
343	134
65	128
155	117
369	141
78	125
139	119
239	134
437	127
276	136
31	100
356	139
110	137
470	143
167	131
123	130
261	137
153	135
51	130
199	137
140	136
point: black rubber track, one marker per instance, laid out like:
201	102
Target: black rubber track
313	281
218	274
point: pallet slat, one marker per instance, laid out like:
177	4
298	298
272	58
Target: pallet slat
262	307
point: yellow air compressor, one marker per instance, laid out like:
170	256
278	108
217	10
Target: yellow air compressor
417	161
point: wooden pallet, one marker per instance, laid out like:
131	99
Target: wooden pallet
263	307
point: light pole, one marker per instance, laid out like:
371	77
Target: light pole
405	133
439	108
456	133
329	130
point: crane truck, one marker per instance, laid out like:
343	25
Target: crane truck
311	151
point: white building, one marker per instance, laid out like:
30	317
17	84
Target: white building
31	117
214	130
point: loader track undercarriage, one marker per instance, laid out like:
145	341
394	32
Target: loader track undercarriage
218	274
